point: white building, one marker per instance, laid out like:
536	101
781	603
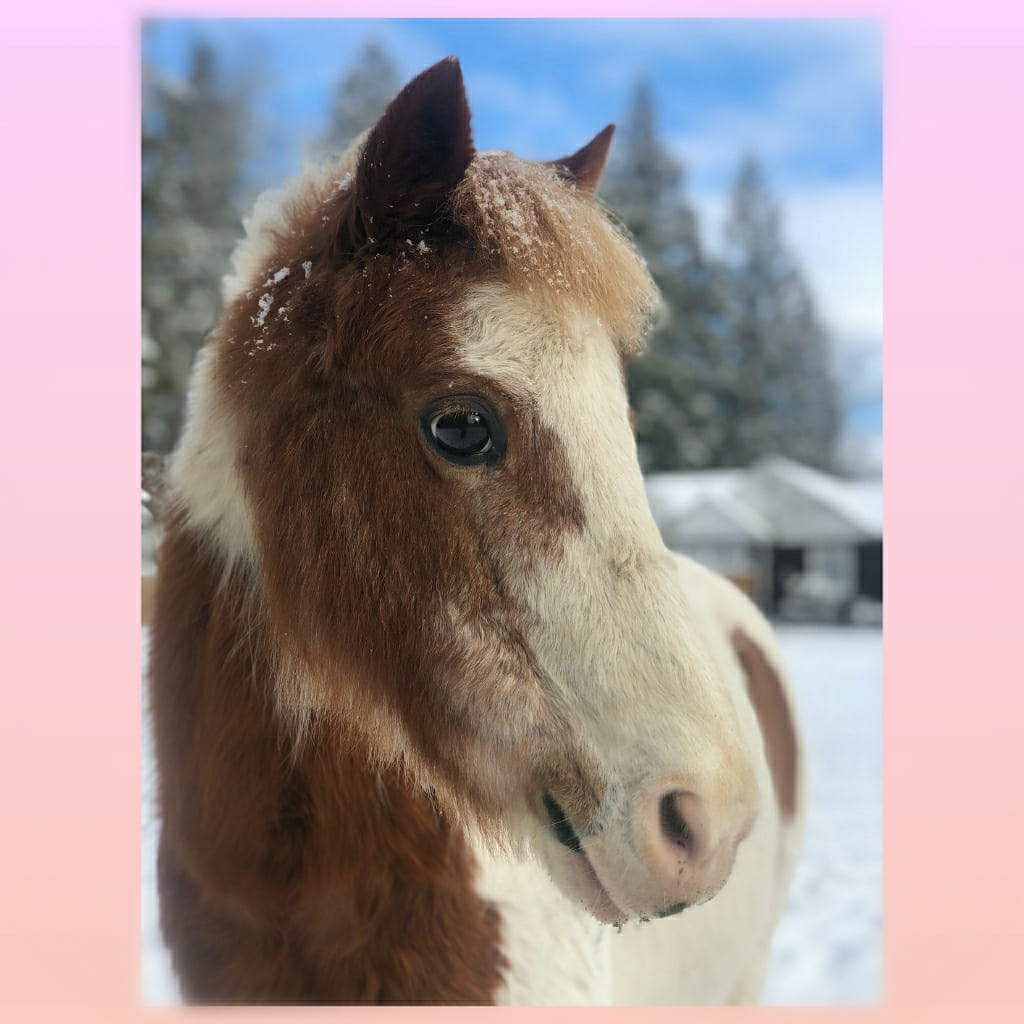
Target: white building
801	542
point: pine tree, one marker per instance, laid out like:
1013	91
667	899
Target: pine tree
360	97
779	392
672	387
192	151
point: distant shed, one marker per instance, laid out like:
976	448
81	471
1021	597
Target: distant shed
801	542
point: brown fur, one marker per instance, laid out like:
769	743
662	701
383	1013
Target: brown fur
287	877
148	597
772	709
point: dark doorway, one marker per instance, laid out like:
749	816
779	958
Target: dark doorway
785	562
869	570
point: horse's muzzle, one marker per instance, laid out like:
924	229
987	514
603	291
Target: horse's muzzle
676	850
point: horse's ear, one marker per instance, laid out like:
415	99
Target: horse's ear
584	167
413	158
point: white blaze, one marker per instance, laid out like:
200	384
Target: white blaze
611	627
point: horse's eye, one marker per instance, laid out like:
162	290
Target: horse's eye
463	431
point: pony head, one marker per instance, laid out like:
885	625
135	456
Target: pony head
409	433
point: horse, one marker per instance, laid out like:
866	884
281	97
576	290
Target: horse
437	716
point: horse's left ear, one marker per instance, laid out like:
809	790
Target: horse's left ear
413	158
585	166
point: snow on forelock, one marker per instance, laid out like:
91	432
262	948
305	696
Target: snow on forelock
420	248
266	301
550	236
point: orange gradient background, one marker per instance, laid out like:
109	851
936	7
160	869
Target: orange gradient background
69	515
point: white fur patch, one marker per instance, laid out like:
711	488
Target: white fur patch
558	955
204	474
610	623
203	469
711	954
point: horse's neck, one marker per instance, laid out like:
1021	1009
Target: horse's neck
307	875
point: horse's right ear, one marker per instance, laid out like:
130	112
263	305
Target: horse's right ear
412	159
585	166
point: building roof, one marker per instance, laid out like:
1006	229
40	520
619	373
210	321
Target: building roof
857	501
673	493
774	501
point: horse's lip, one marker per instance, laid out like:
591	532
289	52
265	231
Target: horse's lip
599	901
676	908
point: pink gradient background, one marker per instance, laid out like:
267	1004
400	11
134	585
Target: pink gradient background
69	540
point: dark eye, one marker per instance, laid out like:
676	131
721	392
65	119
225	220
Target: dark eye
463	431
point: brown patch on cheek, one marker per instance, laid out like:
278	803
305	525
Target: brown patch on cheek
529	503
772	709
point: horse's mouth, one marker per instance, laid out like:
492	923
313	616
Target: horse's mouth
589	887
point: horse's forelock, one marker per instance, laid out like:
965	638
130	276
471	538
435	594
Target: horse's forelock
524	222
552	239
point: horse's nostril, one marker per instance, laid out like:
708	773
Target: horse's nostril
673	824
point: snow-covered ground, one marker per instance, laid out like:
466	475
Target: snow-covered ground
828	947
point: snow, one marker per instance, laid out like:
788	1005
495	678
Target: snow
828	946
159	986
266	301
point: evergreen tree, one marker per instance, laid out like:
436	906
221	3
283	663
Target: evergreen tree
360	97
672	386
780	395
192	154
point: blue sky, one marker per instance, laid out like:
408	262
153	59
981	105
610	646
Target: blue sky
805	95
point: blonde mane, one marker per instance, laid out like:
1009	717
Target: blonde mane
550	237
